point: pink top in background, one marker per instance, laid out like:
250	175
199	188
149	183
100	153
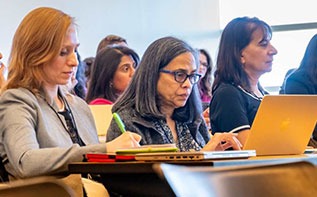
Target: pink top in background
100	101
204	97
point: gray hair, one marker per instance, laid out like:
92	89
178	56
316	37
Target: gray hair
142	91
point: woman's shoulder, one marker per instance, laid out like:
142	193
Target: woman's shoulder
228	94
299	75
76	101
18	99
130	116
226	89
300	82
18	94
126	112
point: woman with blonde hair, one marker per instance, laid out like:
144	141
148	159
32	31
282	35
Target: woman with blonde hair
42	128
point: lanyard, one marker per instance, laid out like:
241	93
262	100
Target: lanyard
70	126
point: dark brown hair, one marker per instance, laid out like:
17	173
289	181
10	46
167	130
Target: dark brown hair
103	70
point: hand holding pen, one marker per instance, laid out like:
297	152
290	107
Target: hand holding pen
126	140
119	122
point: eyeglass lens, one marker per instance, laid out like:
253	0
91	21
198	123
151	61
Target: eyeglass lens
181	77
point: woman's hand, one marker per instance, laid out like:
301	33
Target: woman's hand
206	117
126	140
223	141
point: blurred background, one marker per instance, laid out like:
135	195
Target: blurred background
199	22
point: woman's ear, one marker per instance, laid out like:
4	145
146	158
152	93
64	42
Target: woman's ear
242	59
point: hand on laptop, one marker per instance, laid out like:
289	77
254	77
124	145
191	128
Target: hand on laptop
206	117
223	141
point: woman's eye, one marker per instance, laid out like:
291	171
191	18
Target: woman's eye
264	43
125	68
63	53
180	74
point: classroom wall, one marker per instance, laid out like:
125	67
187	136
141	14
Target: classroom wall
139	21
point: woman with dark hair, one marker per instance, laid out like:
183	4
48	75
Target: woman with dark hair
304	79
112	71
87	64
245	53
205	69
162	102
111	40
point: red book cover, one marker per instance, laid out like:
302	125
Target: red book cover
105	157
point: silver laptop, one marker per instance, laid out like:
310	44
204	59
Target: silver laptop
199	155
283	125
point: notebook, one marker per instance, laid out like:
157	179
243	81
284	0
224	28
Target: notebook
152	148
128	154
283	125
195	155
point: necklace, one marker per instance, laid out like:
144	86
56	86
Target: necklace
252	95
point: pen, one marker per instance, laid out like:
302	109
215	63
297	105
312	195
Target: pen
119	122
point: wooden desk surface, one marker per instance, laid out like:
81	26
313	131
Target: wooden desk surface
136	178
146	167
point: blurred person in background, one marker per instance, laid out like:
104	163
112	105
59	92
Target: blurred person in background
111	74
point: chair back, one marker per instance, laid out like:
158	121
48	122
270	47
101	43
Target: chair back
102	116
40	186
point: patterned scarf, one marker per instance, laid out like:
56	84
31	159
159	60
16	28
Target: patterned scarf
185	141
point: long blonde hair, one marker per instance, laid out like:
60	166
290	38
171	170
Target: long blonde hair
37	42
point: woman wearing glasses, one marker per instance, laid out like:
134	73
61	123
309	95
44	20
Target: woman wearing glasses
162	102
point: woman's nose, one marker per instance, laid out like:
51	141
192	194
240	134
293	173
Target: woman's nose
132	71
73	59
273	50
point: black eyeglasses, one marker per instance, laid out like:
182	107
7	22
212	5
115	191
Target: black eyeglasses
181	76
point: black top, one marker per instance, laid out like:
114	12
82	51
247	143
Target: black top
300	82
232	108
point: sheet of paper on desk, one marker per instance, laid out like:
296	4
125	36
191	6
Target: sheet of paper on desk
148	149
310	151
